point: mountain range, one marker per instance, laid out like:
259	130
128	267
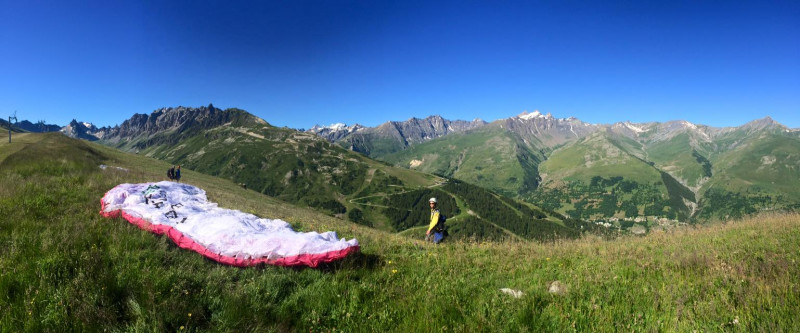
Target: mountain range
392	136
617	173
675	170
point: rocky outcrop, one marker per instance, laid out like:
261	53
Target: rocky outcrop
79	130
544	128
335	132
184	120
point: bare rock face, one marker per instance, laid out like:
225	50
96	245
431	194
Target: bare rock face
184	120
401	134
544	128
335	132
80	130
557	288
417	130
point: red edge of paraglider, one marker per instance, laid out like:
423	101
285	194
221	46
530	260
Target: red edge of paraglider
310	260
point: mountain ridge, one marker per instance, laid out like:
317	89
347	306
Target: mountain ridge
684	155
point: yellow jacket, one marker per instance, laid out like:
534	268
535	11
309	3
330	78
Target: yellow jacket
434	220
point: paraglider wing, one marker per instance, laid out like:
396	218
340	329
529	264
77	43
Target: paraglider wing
183	213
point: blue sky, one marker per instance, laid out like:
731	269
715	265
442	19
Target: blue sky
299	63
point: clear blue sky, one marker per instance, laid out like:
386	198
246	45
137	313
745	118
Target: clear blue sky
299	63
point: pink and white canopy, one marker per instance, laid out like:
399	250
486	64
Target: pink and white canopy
184	214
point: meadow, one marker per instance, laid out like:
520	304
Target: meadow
63	267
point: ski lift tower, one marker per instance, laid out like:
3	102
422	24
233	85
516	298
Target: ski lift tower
9	125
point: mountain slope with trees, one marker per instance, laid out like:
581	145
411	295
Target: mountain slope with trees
304	169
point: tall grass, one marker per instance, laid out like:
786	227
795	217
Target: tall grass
65	268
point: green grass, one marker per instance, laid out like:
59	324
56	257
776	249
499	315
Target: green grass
65	268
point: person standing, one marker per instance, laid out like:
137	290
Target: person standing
436	227
178	174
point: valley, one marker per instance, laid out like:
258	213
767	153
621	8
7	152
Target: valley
673	173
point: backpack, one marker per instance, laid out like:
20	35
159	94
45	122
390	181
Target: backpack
440	225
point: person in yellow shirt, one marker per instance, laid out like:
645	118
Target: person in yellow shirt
436	228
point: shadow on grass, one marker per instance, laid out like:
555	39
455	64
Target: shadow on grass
356	261
353	262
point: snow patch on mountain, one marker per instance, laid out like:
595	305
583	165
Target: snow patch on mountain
633	127
337	127
533	115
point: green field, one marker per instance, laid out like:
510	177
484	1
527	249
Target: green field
65	268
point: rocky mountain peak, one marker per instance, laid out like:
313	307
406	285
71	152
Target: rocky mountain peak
763	123
80	130
551	131
180	119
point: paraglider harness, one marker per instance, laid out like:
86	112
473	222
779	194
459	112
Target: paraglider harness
171	173
161	201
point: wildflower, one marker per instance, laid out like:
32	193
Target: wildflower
190	314
390	262
181	328
548	258
394	271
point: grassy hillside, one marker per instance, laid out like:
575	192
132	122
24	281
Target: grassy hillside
63	268
373	144
601	176
489	157
763	174
679	158
4	125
